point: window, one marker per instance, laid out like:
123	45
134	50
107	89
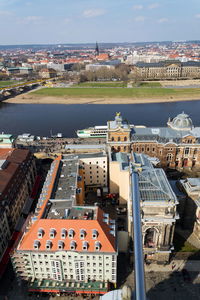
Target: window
125	139
119	139
112	139
187	150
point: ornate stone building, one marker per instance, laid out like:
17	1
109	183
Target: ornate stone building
119	134
176	146
166	70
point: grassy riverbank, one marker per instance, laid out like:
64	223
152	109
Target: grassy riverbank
134	93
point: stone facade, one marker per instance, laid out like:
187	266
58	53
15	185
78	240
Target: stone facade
166	70
176	146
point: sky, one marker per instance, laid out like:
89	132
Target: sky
86	21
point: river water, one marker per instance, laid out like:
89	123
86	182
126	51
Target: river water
40	119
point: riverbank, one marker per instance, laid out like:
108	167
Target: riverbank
36	99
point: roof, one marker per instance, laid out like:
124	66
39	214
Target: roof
106	239
56	210
12	161
153	183
82	146
181	122
122	158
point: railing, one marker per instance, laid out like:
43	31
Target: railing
140	292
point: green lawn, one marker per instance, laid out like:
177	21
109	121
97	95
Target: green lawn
8	82
102	84
144	93
180	245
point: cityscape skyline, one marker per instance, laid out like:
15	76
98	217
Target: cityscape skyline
28	22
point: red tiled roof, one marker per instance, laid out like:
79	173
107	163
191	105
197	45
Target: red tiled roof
106	239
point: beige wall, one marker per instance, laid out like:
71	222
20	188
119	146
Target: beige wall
95	170
119	181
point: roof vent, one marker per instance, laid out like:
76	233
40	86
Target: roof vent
72	245
40	233
71	233
36	244
48	245
61	245
63	233
94	234
97	246
52	233
82	234
85	245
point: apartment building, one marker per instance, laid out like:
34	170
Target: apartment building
95	169
17	176
5	233
67	246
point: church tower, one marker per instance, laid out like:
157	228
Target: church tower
97	49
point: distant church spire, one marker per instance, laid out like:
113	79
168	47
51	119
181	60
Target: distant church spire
97	49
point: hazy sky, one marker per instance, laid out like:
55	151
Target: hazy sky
78	21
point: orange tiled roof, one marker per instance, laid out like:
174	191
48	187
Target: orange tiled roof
106	239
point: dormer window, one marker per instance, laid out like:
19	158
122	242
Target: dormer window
40	233
36	244
97	246
63	233
94	234
72	245
52	233
82	234
85	246
60	245
71	233
48	245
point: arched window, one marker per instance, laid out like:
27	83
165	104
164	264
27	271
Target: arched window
169	156
125	139
119	139
150	238
112	138
118	148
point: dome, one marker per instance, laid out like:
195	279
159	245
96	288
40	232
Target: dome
181	122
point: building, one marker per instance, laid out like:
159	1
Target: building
4	231
17	176
157	200
166	70
119	134
95	169
67	246
47	73
176	146
191	219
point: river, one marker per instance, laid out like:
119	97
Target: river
40	119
